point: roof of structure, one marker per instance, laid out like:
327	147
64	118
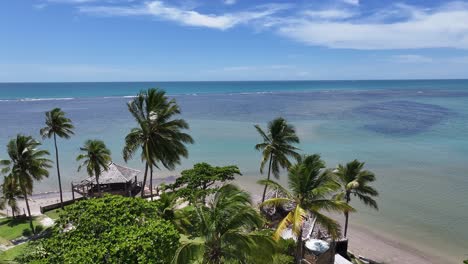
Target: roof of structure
115	174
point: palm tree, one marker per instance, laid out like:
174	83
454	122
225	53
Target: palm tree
57	125
159	134
96	158
226	227
355	181
277	147
10	191
26	164
311	193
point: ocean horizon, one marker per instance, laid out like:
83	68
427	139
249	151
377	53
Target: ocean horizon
411	133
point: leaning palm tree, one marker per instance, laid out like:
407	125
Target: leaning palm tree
57	125
311	192
96	158
26	164
226	228
10	192
159	134
277	147
355	181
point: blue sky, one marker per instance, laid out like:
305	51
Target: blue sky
182	40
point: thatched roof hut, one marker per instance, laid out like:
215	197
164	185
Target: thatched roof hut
117	179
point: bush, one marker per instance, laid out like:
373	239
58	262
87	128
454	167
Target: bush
39	228
112	229
27	232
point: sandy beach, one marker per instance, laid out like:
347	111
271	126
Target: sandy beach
362	241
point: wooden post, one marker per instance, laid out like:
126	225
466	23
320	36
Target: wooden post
73	192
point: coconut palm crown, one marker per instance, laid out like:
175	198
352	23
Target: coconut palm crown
277	147
96	158
10	192
311	192
27	163
355	182
57	125
159	134
227	232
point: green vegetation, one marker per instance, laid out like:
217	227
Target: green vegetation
10	255
197	183
159	134
57	125
111	229
12	228
355	181
96	158
54	214
10	191
26	164
277	147
311	193
227	231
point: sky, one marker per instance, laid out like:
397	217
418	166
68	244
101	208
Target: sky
211	40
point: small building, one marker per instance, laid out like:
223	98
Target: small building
116	179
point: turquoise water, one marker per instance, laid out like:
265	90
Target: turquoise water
412	134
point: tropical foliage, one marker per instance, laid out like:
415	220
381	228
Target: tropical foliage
111	229
57	125
227	232
96	158
312	188
10	191
201	180
27	163
355	181
277	147
159	134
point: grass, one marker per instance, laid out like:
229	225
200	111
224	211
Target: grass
13	228
9	255
53	214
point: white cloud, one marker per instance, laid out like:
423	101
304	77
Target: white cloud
411	58
445	27
351	2
187	17
230	2
329	14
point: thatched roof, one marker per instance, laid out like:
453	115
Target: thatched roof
115	174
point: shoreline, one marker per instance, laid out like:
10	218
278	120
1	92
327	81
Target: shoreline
364	241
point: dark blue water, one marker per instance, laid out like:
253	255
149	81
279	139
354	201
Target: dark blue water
104	89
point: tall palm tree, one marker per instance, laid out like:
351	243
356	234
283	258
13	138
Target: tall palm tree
226	227
159	134
311	192
10	191
277	147
26	164
96	158
57	125
355	181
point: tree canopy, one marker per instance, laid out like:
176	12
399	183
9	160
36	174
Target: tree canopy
112	229
201	180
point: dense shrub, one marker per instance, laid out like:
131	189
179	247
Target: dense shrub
112	229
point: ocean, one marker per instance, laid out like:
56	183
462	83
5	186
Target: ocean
412	134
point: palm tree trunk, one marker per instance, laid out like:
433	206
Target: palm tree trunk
96	175
348	198
151	181
58	171
299	247
12	212
268	177
29	210
144	180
